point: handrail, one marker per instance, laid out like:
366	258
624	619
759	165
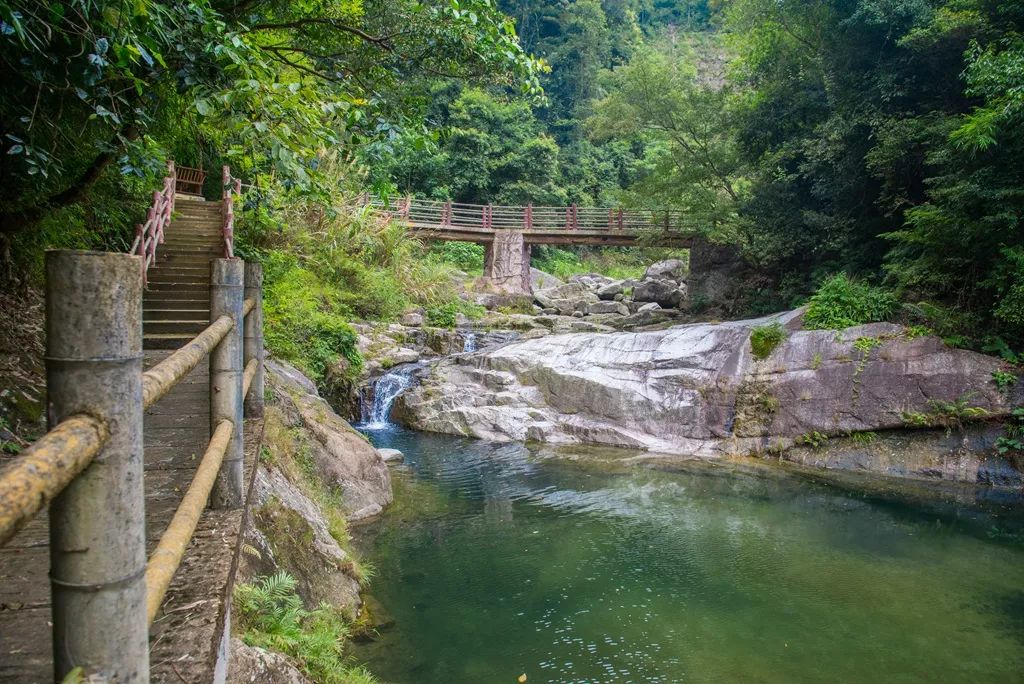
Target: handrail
151	233
47	468
231	187
479	217
44	469
166	557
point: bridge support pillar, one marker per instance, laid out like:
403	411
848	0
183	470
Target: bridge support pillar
254	338
98	523
507	262
227	283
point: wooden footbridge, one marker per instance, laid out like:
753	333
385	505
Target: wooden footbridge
129	576
507	232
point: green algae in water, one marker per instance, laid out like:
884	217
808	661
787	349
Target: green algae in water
570	573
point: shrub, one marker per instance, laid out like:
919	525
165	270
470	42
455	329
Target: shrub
443	315
765	338
466	256
841	302
272	617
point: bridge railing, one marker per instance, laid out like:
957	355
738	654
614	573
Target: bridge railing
89	466
529	217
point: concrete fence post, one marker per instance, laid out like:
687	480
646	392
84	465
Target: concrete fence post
227	282
98	524
254	338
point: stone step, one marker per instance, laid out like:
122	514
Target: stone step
193	326
179	287
176	314
165	340
153	304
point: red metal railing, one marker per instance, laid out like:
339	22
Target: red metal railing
231	187
151	233
441	214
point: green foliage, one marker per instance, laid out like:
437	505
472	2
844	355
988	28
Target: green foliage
1012	439
765	338
615	262
465	256
864	437
271	616
842	302
945	414
1003	379
813	439
442	315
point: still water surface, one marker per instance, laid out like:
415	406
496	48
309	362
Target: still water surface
495	562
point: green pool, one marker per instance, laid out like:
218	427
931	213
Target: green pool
496	563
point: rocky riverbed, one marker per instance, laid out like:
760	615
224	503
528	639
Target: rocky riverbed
698	390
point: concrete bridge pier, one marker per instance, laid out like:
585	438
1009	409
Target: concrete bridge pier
507	262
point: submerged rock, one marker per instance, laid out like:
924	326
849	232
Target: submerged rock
698	390
390	455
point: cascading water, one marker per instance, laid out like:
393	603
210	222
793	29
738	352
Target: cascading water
385	390
469	343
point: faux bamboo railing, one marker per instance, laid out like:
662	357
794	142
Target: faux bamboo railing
89	466
231	187
489	217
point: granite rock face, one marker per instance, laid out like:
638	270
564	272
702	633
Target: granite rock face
343	456
698	390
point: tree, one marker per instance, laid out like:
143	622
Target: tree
276	83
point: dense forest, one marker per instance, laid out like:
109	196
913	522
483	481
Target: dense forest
867	137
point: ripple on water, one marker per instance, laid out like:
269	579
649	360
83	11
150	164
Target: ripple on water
569	574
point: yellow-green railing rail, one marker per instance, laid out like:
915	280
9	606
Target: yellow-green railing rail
89	467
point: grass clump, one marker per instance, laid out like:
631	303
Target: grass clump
765	338
271	616
945	414
842	302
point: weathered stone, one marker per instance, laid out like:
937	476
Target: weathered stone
679	390
592	281
294	537
412	319
567	298
403	355
669	269
666	293
252	665
612	289
539	280
343	456
390	455
649	306
507	262
578	314
608	308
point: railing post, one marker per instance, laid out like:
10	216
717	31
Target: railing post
227	282
98	524
254	338
528	216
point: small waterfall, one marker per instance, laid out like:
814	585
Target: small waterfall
385	390
469	342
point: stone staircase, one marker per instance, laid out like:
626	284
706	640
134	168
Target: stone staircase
176	304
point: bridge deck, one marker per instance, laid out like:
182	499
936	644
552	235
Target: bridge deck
550	236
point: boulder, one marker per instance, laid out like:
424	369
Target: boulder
567	298
390	455
667	293
612	289
253	665
412	318
592	281
403	355
539	280
344	458
608	308
669	269
697	389
649	306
